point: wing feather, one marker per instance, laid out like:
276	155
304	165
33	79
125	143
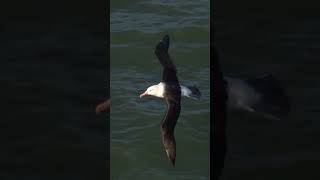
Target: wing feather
167	129
169	73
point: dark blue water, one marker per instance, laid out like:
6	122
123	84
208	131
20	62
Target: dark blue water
136	148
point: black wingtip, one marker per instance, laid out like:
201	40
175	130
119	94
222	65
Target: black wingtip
166	39
172	156
173	162
163	45
170	145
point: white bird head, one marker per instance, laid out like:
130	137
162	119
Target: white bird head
154	90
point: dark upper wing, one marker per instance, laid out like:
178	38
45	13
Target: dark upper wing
173	96
167	128
169	70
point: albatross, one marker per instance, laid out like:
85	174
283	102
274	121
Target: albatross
169	89
261	95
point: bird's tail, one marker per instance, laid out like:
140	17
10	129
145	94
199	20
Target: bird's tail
195	92
274	101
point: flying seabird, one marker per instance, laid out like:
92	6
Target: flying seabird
170	89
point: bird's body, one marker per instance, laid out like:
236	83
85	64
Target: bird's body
158	90
170	89
260	95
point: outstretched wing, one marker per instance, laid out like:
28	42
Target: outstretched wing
167	128
169	73
172	96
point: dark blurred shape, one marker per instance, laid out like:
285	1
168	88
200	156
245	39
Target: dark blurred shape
103	106
54	66
218	125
